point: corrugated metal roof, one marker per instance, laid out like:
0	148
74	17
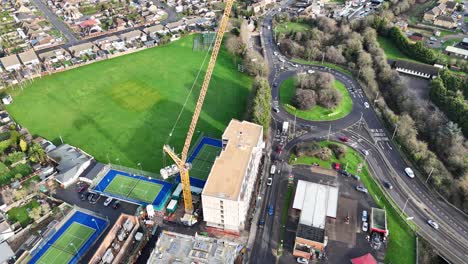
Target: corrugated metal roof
316	202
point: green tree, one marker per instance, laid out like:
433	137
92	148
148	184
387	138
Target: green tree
4	145
261	113
37	153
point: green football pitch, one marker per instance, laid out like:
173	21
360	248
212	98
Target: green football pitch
203	162
135	189
67	245
122	110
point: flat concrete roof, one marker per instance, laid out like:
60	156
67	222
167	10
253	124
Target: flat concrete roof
457	50
316	202
10	61
28	56
228	171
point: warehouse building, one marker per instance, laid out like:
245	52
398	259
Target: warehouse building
316	202
228	189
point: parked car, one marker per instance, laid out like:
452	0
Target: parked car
116	204
269	181
361	188
366	105
261	222
302	260
336	166
365	226
95	198
270	209
433	224
83	196
364	215
279	149
409	172
90	196
108	201
356	177
345	173
387	184
365	152
310	71
343	138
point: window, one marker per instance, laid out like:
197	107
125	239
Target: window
222	221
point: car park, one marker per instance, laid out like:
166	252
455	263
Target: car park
116	204
108	201
269	181
365	226
364	215
361	188
432	223
409	172
270	210
387	184
302	260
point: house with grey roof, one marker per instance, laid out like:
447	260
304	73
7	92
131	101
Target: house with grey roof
133	35
71	162
153	31
29	58
83	49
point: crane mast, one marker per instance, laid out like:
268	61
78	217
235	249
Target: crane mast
181	162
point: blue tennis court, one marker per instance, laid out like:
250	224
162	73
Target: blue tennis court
134	188
71	241
202	159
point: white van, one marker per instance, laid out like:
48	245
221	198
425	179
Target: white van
409	172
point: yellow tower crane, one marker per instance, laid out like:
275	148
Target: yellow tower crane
181	162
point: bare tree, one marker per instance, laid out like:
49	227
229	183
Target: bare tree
334	55
304	99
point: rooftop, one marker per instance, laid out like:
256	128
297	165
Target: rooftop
316	202
228	171
132	34
28	56
69	160
9	61
456	50
178	248
424	68
310	233
379	220
81	47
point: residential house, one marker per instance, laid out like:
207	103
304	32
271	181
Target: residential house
416	37
71	162
176	27
153	31
11	63
106	43
82	49
4	117
29	58
260	6
132	36
446	21
6	100
54	56
450	6
434	12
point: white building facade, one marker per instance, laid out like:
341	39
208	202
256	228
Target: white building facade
229	187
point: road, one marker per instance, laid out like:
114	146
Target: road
56	21
385	161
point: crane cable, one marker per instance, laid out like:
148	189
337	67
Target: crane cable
187	99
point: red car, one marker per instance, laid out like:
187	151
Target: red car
343	138
279	149
336	166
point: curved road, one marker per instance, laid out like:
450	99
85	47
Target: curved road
365	131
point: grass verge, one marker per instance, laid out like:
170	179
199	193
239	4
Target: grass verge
287	27
401	247
287	91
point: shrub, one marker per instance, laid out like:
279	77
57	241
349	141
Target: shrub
338	150
14	157
307	149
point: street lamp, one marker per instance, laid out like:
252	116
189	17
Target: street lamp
94	220
141	168
76	250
